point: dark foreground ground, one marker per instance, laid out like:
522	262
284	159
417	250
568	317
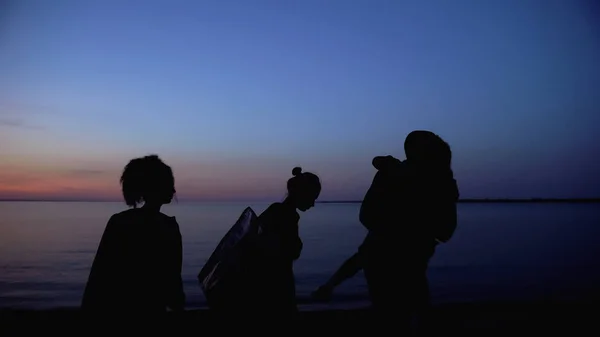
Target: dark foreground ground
477	319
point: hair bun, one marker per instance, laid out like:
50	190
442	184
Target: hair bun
297	171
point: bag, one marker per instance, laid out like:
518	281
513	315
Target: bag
444	214
222	274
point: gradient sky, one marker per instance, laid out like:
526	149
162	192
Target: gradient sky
234	94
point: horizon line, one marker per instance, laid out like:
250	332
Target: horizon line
463	200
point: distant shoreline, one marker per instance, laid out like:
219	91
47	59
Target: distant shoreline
491	200
467	200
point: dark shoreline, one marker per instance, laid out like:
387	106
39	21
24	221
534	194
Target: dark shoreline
448	319
494	201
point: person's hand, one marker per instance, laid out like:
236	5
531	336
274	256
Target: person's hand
322	294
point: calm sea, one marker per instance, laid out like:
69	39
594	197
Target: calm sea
500	251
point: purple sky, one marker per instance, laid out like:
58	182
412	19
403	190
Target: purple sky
234	94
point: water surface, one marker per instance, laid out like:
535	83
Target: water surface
500	251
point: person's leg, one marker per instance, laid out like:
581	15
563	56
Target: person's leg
419	297
389	309
374	286
424	322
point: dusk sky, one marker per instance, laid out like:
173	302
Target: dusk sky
234	94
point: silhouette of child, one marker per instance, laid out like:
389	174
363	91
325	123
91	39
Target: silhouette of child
137	266
281	245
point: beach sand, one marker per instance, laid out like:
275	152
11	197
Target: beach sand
573	318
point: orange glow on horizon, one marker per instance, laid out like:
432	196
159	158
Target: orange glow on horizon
22	182
194	179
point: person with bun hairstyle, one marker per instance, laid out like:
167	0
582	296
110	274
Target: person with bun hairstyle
137	267
275	287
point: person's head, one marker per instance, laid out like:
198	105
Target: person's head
427	148
303	189
147	180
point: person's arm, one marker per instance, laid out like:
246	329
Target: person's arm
294	244
285	241
176	299
280	234
103	273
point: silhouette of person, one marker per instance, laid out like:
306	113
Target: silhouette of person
280	245
409	208
137	266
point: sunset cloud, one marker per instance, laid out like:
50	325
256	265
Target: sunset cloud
17	123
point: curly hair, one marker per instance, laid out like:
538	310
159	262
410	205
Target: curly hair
146	178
